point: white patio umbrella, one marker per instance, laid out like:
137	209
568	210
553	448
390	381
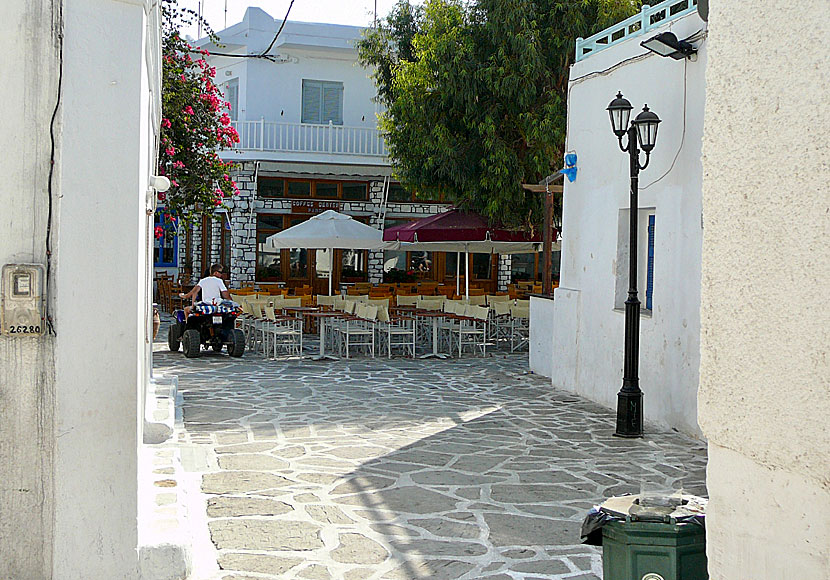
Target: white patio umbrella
328	231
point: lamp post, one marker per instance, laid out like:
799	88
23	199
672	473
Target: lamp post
643	132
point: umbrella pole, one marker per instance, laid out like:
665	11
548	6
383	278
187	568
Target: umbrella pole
458	273
331	267
467	274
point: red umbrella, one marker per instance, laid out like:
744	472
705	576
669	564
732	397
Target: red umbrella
462	231
468	230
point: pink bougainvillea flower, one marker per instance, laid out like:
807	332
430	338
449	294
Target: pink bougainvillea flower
174	183
188	110
178	165
159	231
170	151
225	119
166	123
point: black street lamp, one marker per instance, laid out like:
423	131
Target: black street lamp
642	131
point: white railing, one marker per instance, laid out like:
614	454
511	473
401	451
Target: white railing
306	138
650	17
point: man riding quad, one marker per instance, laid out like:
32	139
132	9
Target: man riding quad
211	321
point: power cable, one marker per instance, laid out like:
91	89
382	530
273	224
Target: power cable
264	54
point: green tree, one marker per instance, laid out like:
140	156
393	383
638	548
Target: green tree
476	93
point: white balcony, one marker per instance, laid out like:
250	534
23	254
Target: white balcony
307	142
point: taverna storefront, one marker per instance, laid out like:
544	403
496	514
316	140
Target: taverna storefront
309	142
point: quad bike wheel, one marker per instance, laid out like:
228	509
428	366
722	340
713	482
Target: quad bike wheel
174	340
191	341
236	346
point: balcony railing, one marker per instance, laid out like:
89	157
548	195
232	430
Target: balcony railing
305	138
650	17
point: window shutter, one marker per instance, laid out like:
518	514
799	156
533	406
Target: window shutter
650	263
312	101
333	103
232	96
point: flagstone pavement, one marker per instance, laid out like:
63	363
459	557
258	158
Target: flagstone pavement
401	469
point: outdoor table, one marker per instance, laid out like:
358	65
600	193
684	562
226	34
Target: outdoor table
435	315
322	315
301	310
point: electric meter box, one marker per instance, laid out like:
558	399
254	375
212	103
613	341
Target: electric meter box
22	305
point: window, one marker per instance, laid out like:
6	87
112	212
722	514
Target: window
269	261
270	187
322	102
645	258
355	191
298	189
225	243
325	190
166	248
232	96
398	193
482	266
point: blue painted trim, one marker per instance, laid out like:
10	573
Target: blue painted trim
159	252
650	263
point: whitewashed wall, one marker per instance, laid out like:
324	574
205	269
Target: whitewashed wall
764	389
588	328
72	402
273	91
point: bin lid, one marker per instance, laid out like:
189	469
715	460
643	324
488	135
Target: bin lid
678	506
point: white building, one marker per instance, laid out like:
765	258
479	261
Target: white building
577	339
82	106
764	396
308	142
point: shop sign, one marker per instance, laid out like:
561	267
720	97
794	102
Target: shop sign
314	206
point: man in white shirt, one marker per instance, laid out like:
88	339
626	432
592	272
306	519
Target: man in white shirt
213	288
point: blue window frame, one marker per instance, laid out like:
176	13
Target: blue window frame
650	263
165	248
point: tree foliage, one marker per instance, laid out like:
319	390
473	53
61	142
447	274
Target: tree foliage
195	126
475	95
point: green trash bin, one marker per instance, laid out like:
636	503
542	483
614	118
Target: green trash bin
634	549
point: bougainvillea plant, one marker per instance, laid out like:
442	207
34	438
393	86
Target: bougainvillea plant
195	126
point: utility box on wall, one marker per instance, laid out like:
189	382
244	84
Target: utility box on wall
22	301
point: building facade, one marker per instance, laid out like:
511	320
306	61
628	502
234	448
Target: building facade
309	142
578	337
764	388
82	95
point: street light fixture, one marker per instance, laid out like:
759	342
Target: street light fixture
641	131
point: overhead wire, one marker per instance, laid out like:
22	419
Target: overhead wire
264	54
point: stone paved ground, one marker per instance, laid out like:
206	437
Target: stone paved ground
378	469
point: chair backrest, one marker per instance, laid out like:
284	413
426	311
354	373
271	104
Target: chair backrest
348	306
291	302
363	286
379	302
383	313
359	309
477	292
501	308
256	310
520	311
369	312
479	300
525	303
269	313
323	300
407	300
338	303
493	298
431	303
477	312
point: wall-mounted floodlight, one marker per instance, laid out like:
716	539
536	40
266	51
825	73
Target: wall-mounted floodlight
667	44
